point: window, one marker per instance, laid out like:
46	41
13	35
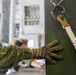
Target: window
32	16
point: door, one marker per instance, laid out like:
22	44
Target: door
53	31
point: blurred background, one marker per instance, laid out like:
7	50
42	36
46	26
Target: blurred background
23	19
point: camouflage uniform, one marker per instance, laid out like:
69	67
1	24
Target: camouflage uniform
11	55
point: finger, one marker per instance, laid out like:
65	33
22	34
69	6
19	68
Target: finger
52	43
50	59
57	48
54	55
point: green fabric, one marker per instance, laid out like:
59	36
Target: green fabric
10	56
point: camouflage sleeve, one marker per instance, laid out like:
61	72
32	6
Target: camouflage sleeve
10	56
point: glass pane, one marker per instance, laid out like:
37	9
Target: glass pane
32	16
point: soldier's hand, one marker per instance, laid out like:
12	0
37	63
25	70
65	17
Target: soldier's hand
48	52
